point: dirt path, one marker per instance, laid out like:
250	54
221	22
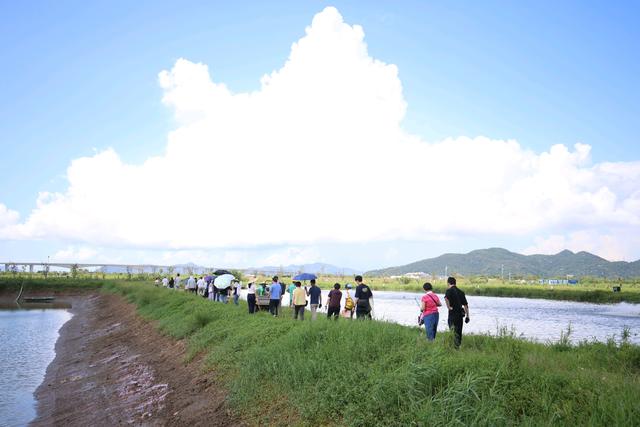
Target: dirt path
113	368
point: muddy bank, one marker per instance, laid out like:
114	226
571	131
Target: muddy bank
113	368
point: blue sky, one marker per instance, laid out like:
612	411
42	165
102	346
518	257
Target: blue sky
79	78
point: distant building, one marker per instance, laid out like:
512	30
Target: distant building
558	281
417	275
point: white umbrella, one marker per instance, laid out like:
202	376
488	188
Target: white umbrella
224	281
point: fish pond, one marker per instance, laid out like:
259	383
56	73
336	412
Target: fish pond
28	337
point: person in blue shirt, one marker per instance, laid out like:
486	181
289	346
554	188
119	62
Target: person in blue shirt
315	294
275	296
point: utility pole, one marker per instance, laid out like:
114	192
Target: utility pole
502	273
446	269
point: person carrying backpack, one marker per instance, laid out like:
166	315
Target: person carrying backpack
349	304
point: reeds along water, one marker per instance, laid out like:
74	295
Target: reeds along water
377	373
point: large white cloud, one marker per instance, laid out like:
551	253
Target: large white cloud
318	154
8	217
75	254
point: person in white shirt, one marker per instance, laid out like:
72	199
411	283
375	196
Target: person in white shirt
201	286
237	286
177	284
191	284
211	295
165	282
251	297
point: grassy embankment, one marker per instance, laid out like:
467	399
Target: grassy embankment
11	285
596	292
279	371
589	290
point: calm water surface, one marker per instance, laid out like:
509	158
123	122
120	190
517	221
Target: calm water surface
536	319
28	339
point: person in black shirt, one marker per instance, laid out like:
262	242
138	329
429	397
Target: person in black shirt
363	299
458	309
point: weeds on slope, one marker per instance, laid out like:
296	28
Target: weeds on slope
11	284
280	371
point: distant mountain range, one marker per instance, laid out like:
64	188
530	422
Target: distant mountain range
315	268
490	262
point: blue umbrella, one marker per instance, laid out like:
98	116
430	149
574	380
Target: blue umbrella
305	276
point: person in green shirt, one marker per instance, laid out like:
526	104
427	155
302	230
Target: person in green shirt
262	289
290	289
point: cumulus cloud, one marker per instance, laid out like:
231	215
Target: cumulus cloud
8	217
319	154
291	255
614	246
75	254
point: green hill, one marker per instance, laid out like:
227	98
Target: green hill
489	262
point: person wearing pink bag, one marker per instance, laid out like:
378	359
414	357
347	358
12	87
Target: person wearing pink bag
429	306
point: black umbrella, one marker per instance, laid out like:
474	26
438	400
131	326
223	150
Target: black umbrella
220	272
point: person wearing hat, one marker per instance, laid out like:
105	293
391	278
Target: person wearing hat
349	304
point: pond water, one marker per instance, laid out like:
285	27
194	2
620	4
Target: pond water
537	319
28	338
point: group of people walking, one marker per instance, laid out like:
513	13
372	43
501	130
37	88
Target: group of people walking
205	287
301	297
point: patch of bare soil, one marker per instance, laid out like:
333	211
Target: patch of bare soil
114	368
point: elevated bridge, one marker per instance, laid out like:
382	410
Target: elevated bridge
130	268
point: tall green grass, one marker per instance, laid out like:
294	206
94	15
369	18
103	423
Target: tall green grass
282	372
13	284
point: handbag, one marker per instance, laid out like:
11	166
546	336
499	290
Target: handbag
420	317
